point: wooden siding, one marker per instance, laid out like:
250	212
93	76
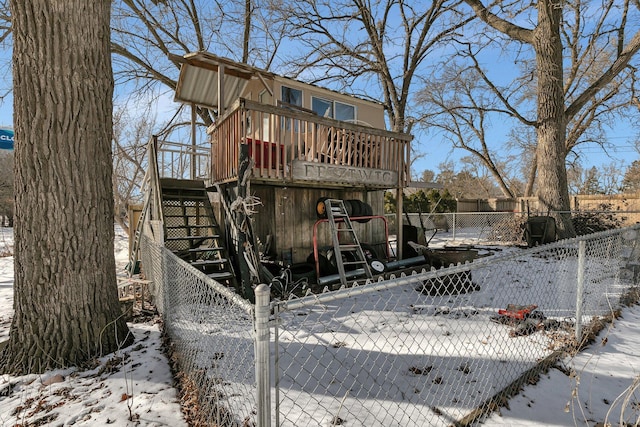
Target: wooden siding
288	214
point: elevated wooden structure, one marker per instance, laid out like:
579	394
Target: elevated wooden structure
277	147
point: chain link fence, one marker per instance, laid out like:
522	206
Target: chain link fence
438	347
443	347
505	228
211	334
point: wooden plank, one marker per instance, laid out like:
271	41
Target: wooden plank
318	172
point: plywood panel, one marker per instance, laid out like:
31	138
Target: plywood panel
294	216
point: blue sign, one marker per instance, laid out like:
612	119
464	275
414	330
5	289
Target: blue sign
6	139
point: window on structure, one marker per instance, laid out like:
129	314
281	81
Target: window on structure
344	112
333	109
292	96
322	107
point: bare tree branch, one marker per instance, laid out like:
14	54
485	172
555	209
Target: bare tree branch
514	31
354	42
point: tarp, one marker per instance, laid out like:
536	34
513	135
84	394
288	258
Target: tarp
6	139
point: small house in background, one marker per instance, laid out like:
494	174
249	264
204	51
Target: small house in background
279	149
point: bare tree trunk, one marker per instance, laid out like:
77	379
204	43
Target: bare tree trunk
247	31
531	179
66	305
552	189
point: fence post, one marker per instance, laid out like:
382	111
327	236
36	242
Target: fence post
263	380
582	251
454	226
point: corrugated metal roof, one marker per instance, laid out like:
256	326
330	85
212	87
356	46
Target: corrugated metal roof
198	81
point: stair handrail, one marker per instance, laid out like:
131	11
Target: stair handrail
150	189
154	179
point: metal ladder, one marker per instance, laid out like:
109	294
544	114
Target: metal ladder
344	239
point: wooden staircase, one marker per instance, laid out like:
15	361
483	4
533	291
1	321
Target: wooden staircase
191	230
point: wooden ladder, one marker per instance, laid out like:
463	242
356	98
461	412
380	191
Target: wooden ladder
344	239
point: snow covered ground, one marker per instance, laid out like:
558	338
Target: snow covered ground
434	357
596	388
134	386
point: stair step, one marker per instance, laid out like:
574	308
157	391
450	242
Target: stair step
195	184
205	262
178	238
196	250
177	204
184	216
184	197
198	226
223	275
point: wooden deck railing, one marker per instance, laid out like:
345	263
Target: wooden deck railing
287	144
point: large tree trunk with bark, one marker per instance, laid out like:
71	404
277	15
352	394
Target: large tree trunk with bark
65	294
552	189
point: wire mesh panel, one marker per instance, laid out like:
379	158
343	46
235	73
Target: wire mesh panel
211	330
500	227
476	227
438	347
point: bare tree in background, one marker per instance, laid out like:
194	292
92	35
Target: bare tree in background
466	128
569	101
5	21
65	294
145	33
472	180
611	179
5	44
372	49
130	137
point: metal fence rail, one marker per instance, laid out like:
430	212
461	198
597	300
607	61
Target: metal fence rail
430	348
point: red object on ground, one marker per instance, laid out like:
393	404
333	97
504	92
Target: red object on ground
515	311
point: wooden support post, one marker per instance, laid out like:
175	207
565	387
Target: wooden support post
399	233
193	142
